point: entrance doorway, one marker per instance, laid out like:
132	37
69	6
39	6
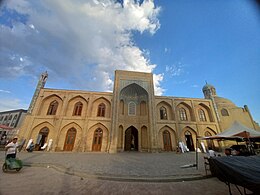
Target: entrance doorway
97	140
70	139
167	141
189	141
42	139
131	139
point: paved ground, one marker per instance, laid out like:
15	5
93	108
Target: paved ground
103	173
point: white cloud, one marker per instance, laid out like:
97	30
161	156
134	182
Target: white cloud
157	79
78	40
4	91
194	86
174	70
11	104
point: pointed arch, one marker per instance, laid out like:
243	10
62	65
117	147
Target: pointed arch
101	110
42	139
131	108
224	112
63	133
101	107
134	96
97	140
210	143
70	139
120	138
167	138
143	108
207	112
122	107
78	109
185	110
51	105
131	139
91	134
75	109
202	115
183	114
165	111
189	137
144	138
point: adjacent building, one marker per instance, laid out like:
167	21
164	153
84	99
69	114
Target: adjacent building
10	122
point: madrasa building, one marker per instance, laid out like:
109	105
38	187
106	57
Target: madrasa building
131	118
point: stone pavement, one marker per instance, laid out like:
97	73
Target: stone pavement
103	173
129	166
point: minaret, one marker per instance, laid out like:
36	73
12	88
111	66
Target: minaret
209	93
40	85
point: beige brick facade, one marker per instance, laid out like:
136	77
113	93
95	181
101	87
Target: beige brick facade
129	118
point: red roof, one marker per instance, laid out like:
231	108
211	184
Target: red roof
5	127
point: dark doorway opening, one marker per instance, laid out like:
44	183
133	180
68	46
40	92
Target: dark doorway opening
131	139
189	141
41	141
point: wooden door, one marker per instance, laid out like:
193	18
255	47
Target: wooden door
70	139
167	141
97	140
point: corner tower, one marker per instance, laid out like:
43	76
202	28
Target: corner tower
40	85
209	92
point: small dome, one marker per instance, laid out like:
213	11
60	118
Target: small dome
207	86
209	91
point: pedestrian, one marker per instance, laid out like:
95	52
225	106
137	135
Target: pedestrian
31	147
211	152
11	148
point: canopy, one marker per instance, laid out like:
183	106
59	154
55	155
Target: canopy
236	131
239	170
4	127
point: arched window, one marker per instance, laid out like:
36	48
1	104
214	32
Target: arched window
183	115
77	109
143	108
53	108
101	110
131	108
122	107
163	113
224	112
202	115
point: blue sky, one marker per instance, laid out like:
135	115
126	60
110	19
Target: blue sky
81	43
